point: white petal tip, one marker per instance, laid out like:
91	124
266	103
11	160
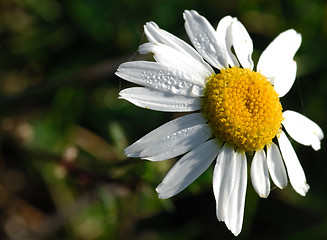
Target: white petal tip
281	186
161	195
235	232
304	189
158	188
234	229
130	154
316	146
264	195
302	193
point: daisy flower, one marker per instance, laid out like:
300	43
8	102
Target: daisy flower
233	110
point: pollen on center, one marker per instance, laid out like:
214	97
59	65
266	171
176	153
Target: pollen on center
242	108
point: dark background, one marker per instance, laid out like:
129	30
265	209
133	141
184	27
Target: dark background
63	174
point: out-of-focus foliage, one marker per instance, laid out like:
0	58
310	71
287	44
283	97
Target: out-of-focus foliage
63	174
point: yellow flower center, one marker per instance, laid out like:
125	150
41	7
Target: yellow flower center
242	108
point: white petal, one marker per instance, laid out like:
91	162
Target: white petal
236	200
160	101
177	143
188	168
242	43
170	56
259	174
224	38
163	131
229	186
276	166
160	77
203	38
293	166
223	179
276	62
157	35
284	79
302	129
285	45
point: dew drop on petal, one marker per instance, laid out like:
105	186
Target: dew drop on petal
175	89
196	90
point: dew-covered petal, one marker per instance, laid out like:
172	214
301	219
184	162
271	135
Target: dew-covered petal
170	56
234	209
177	143
224	38
293	166
223	179
156	35
302	129
188	168
276	166
204	39
276	62
160	77
166	102
242	43
259	174
163	131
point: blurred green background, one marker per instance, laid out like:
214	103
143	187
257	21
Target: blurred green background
63	174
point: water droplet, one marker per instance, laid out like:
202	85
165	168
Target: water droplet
175	89
196	90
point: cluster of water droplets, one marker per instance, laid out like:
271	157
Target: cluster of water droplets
189	103
176	137
202	43
168	142
172	82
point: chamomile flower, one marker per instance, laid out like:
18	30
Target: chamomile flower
233	110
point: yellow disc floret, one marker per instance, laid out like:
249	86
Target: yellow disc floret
242	108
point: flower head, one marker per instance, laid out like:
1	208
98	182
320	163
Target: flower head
238	111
